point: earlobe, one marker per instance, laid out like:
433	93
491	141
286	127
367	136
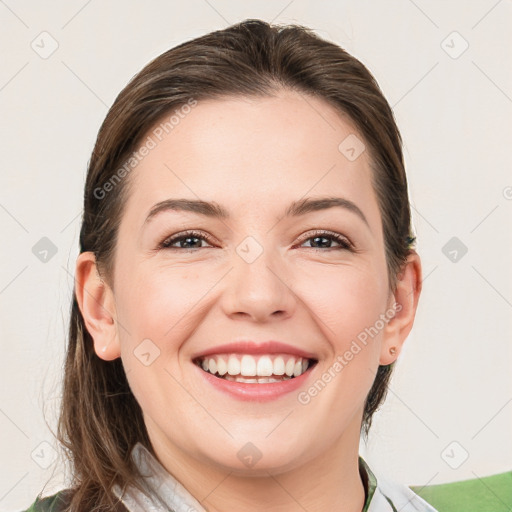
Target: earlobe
404	303
96	302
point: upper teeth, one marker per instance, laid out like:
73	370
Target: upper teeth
255	366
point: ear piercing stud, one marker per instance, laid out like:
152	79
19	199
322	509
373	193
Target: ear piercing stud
392	351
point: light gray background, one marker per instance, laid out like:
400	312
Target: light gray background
451	394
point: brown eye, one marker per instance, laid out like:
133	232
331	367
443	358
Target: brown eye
190	240
324	240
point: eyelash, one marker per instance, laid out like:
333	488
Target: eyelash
345	244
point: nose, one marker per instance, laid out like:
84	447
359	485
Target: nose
259	291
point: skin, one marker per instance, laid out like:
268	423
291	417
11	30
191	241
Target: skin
253	157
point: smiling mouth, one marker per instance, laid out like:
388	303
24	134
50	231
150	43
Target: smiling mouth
252	369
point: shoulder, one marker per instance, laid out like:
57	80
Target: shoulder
55	503
482	494
59	502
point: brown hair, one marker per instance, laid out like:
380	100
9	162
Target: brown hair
100	419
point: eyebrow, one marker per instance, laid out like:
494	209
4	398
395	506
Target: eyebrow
216	211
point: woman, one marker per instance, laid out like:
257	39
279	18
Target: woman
246	280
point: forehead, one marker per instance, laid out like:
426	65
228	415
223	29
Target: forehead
253	154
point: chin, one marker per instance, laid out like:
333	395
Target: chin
255	458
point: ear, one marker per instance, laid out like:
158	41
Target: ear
404	302
96	302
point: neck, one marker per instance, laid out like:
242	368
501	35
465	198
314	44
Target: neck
331	481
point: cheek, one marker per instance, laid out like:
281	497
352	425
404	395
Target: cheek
157	311
154	303
348	303
345	299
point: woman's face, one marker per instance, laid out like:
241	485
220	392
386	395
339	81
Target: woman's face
263	288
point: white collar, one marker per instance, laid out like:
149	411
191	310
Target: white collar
165	494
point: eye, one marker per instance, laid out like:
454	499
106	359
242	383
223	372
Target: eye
322	239
190	239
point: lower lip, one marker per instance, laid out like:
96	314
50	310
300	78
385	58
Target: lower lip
256	392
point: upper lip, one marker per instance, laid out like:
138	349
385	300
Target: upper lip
252	347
